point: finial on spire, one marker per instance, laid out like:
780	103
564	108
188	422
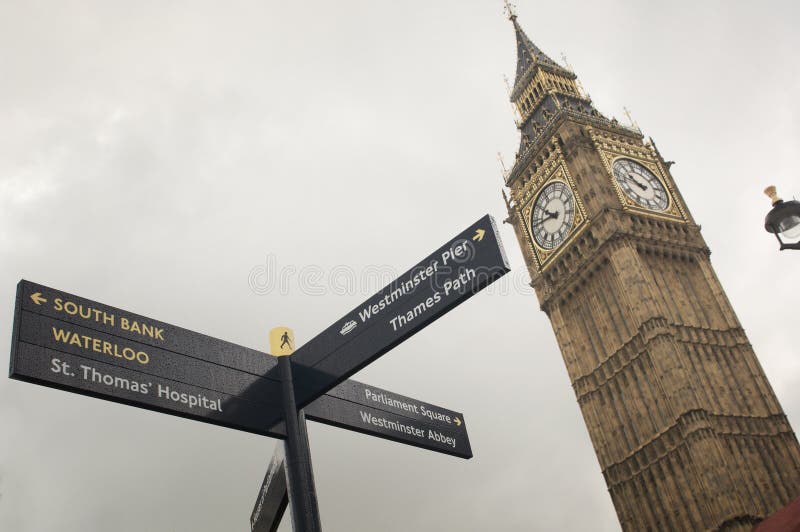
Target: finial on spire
514	110
631	120
566	63
510	10
509	206
503	166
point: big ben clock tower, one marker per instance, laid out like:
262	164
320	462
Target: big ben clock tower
687	430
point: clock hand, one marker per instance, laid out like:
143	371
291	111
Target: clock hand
539	221
551	214
638	184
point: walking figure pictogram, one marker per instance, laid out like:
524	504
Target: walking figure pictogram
285	340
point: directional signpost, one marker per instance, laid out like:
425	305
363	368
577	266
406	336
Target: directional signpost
59	341
203	384
75	344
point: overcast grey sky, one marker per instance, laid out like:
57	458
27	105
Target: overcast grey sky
152	154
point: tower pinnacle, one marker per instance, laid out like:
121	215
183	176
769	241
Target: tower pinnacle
529	56
543	93
510	9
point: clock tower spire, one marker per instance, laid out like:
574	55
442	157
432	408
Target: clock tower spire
687	429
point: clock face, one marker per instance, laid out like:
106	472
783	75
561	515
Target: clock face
640	184
552	215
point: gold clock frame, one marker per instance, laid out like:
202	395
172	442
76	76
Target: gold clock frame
612	147
544	256
674	210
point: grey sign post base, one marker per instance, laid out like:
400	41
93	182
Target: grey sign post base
302	493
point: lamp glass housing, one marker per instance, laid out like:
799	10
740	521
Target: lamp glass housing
790	227
784	222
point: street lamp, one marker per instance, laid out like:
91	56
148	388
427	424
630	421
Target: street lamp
783	220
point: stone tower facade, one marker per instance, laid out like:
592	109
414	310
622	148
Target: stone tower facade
687	430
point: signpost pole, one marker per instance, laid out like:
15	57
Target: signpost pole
302	493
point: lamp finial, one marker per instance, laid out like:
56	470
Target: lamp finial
773	194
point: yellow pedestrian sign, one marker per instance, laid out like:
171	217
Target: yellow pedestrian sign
281	341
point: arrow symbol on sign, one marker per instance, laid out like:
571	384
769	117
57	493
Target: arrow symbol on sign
38	299
458	421
478	235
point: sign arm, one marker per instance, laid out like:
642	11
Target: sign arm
273	498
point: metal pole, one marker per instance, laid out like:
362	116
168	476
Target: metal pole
302	493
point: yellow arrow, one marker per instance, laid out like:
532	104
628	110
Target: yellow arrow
38	299
479	235
458	421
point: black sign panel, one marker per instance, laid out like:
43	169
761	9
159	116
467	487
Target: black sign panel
449	276
77	310
371	410
273	497
82	346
